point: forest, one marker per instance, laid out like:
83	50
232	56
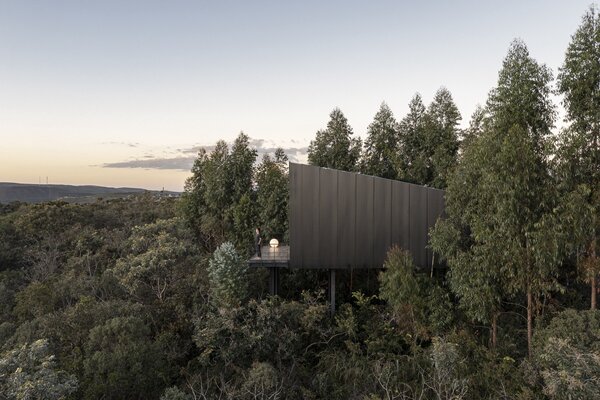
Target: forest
151	297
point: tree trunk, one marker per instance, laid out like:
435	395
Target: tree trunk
594	278
494	330
529	321
594	290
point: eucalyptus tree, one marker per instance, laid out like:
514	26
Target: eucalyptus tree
272	195
502	237
205	188
156	253
217	194
412	165
381	145
335	147
442	133
429	140
240	211
579	156
31	372
475	129
474	271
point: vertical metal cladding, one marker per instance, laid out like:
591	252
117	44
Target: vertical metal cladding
295	213
346	220
363	232
435	209
418	224
309	218
401	214
328	212
382	219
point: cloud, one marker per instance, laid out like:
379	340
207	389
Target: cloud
185	160
176	163
128	144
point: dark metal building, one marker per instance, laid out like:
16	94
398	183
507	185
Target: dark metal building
343	220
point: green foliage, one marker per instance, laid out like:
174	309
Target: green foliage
399	284
122	360
174	393
227	272
442	132
155	252
502	236
272	196
335	147
10	243
30	373
475	129
429	140
118	299
262	382
522	96
381	145
580	328
568	355
447	375
568	372
244	223
412	162
579	80
262	348
219	196
579	153
35	300
427	305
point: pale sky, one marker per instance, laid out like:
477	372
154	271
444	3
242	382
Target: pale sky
121	93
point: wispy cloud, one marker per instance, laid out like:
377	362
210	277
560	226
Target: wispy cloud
128	144
185	160
176	163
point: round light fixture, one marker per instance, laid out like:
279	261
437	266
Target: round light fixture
274	243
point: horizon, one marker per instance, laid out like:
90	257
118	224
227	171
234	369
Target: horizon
121	94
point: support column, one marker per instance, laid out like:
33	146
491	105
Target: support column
274	281
332	291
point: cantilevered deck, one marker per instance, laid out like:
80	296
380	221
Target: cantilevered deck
272	257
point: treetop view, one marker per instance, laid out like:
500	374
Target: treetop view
423	258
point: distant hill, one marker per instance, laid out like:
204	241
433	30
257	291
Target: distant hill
34	193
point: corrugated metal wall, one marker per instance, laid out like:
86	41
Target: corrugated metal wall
345	220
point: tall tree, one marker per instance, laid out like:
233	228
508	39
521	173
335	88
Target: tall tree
579	82
522	96
241	211
214	193
442	133
522	116
475	275
272	195
476	125
502	197
412	164
240	167
334	147
381	145
206	194
429	140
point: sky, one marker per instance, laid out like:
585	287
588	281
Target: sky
123	93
